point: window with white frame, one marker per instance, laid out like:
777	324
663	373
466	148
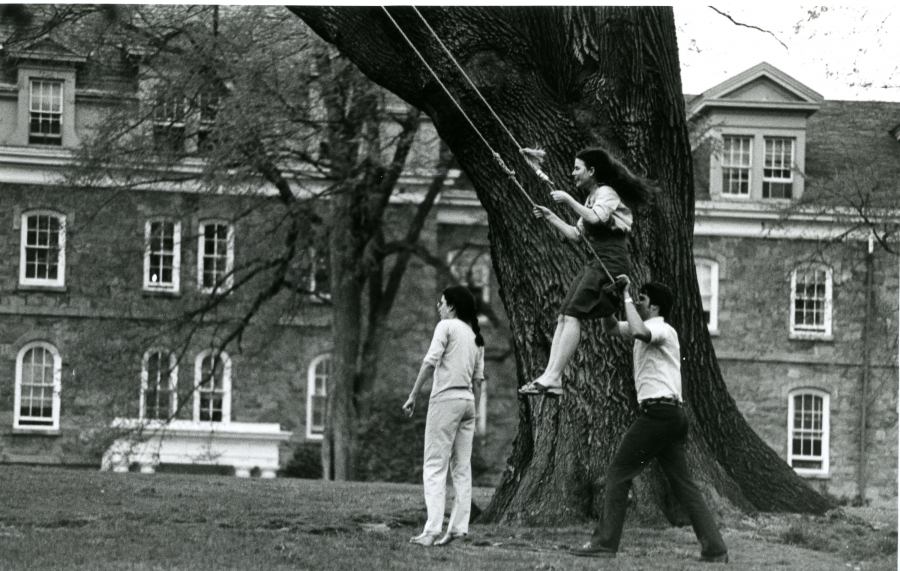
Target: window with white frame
43	249
708	280
215	257
38	384
736	164
811	293
46	111
472	268
212	387
168	124
159	378
162	255
316	390
808	431
778	173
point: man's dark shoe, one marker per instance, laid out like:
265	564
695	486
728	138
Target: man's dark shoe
589	550
720	558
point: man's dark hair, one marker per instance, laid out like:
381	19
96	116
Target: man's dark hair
661	296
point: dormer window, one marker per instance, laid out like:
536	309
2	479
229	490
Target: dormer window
737	154
168	125
757	121
46	106
778	174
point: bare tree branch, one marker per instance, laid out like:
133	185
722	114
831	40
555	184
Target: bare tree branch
736	23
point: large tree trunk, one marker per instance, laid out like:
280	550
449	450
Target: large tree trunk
563	78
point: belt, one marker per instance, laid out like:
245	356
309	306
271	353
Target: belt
670	401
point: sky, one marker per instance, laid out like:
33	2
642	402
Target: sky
842	53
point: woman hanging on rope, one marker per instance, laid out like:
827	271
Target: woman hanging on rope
605	220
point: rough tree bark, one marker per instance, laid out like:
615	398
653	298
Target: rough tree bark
563	78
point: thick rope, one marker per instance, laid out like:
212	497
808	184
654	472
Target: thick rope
509	172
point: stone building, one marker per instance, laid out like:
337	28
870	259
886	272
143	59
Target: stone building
805	328
92	282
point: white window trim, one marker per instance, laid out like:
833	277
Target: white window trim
310	391
826	432
60	280
145	381
226	286
826	332
749	167
57	387
175	286
226	385
62	100
790	179
713	265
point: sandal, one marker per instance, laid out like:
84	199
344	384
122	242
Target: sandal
425	539
536	388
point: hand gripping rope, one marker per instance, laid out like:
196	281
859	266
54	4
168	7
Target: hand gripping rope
532	156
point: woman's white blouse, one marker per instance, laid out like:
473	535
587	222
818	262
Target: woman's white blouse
456	361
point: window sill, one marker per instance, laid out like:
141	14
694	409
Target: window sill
43	288
811	337
813	475
35	431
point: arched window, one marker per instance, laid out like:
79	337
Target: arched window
38	383
212	387
708	280
808	431
42	259
811	292
159	378
317	385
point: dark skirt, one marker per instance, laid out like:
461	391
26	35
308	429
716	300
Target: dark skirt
586	298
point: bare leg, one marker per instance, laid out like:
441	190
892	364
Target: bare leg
564	344
565	341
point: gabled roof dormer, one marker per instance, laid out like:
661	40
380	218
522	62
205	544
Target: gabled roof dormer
46	51
753	128
45	95
762	87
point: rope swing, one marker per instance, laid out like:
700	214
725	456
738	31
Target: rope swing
534	157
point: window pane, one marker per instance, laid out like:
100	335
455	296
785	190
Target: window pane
42	247
736	163
37	384
810	298
215	255
45	126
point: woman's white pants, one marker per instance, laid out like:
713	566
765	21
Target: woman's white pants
449	431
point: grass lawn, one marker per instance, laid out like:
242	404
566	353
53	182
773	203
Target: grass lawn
53	518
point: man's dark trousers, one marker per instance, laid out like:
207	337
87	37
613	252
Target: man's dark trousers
661	432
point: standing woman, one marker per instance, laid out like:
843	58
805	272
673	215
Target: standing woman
455	361
604	221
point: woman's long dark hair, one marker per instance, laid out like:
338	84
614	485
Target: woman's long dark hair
633	189
461	299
